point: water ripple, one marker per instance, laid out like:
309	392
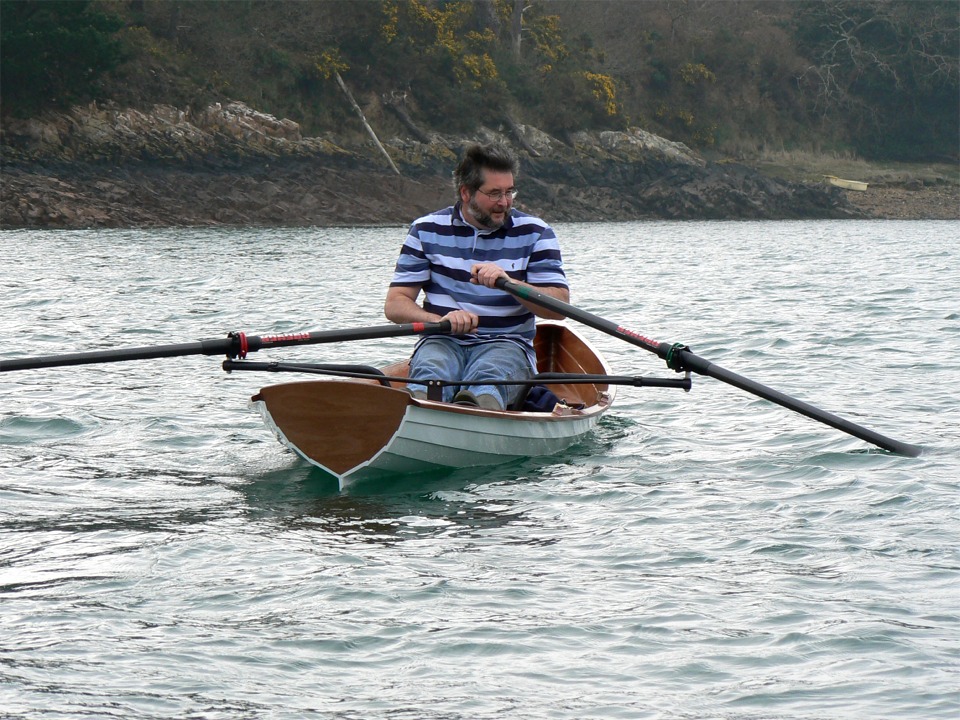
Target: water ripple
702	554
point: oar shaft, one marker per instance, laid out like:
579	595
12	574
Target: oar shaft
703	367
204	347
364	333
581	316
679	357
365	372
235	345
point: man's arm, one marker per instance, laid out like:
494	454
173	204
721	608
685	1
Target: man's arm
401	307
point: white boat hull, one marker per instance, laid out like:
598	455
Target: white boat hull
359	429
857	185
430	439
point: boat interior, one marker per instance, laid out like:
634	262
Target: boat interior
559	350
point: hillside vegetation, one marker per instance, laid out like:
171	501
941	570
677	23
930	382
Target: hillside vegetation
875	79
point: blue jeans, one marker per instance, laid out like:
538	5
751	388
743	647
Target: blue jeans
439	358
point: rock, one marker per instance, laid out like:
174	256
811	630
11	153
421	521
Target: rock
230	164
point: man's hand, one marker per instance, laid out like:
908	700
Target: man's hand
462	322
486	274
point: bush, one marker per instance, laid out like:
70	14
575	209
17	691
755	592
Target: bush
53	52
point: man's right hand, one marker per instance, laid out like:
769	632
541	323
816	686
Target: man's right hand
462	322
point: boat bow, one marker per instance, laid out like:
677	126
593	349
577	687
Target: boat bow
338	426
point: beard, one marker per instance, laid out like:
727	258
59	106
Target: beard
484	218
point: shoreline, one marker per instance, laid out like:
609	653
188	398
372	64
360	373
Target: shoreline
232	166
940	202
147	197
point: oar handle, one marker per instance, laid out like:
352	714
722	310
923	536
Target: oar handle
234	345
679	357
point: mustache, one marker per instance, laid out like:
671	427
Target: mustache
485	218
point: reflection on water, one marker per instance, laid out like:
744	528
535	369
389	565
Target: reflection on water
411	506
377	510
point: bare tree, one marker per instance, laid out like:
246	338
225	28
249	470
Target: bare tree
897	44
516	27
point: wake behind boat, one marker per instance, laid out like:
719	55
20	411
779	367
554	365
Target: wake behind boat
367	428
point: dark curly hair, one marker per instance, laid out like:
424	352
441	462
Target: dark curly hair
477	158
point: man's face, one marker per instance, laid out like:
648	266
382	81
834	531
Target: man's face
490	205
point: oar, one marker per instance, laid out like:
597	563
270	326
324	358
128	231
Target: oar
365	372
234	345
680	358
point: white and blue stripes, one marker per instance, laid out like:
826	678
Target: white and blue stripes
440	250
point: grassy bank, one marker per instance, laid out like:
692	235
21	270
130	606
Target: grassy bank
800	166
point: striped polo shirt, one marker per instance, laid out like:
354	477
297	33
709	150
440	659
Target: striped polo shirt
442	247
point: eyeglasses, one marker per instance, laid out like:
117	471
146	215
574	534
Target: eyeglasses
498	195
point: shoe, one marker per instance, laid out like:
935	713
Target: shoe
465	397
489	402
485	400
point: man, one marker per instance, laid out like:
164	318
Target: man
455	256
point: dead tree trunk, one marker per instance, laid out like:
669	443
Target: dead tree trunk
518	134
396	103
356	107
516	28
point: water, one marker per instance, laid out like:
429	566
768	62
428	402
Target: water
702	555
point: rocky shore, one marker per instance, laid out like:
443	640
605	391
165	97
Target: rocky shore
233	166
908	202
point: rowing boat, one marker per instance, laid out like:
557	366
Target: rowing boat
846	184
359	429
370	425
